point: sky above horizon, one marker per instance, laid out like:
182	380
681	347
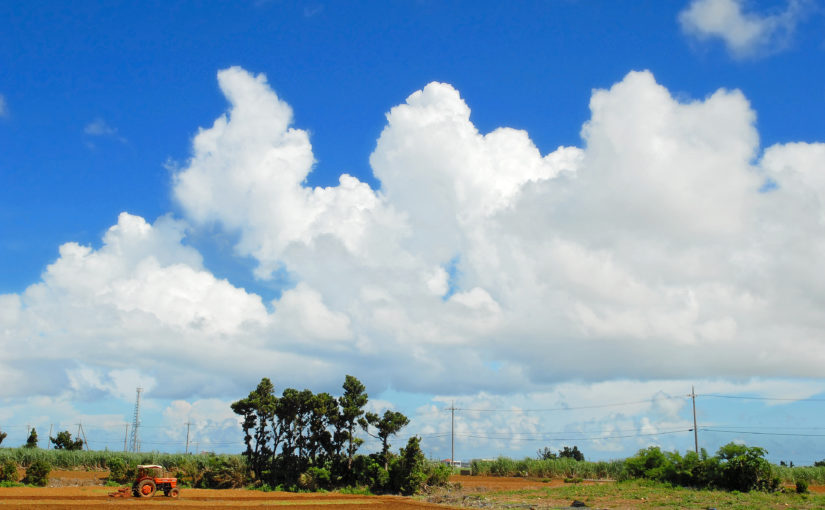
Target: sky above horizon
556	216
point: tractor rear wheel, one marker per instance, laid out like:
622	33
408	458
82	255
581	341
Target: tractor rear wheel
146	488
173	493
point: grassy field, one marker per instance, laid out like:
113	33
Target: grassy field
612	470
625	495
82	459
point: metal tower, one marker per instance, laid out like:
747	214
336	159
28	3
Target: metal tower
134	444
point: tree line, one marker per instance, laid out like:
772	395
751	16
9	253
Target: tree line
63	441
304	440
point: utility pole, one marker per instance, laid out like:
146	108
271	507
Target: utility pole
82	433
125	437
695	430
452	434
51	426
187	436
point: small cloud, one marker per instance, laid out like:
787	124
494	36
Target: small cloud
745	34
100	128
313	11
4	111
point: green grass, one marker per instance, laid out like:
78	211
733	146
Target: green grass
609	470
649	495
550	468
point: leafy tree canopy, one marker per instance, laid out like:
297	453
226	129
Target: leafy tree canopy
31	442
64	441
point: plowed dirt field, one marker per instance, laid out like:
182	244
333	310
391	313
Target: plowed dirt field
63	498
78	490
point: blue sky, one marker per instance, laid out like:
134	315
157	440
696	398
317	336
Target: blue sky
550	204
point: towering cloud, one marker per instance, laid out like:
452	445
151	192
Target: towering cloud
670	243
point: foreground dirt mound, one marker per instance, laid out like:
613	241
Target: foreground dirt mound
62	478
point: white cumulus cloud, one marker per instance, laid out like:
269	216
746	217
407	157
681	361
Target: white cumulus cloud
647	240
745	33
653	251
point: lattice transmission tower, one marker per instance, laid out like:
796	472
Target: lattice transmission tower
134	444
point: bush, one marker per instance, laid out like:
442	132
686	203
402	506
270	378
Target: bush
221	472
801	486
369	472
744	468
438	474
314	478
37	473
8	471
648	463
735	467
117	470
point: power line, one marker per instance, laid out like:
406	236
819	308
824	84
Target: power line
568	408
756	433
593	438
739	397
758	427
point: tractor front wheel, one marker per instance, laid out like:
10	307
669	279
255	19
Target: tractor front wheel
146	488
173	493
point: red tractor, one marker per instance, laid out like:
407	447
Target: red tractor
150	479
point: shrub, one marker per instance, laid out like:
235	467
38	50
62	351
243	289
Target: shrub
314	478
221	472
37	473
438	474
735	467
369	472
648	463
801	486
117	470
744	468
8	471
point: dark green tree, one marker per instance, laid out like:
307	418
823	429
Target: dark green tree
64	441
324	416
258	411
290	415
388	425
2	436
744	468
303	418
352	404
408	470
571	453
31	442
546	454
